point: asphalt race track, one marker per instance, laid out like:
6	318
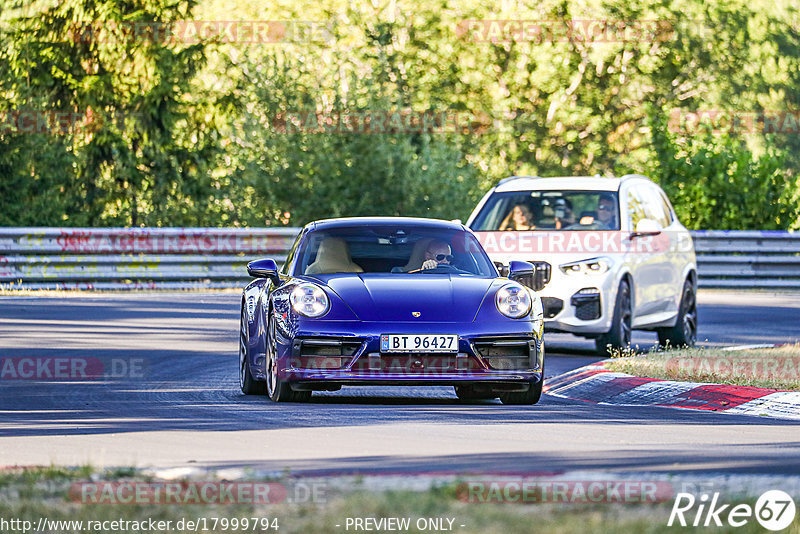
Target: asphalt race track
174	401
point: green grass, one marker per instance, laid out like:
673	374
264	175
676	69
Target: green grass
30	493
773	368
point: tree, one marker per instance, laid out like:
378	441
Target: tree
141	144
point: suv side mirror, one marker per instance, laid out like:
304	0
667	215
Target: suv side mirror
646	227
264	268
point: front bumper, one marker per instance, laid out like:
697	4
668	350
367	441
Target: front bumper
579	304
499	355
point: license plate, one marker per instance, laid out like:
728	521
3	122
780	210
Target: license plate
419	343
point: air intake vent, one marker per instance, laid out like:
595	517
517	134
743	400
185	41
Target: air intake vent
552	306
508	353
331	353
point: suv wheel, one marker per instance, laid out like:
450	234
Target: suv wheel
684	333
619	337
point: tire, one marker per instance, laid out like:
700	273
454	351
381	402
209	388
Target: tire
527	398
619	337
468	393
248	384
278	390
684	333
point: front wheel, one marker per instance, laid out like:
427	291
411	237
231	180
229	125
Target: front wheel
619	337
529	397
684	333
277	389
248	384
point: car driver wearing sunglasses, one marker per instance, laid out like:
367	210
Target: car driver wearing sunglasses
438	252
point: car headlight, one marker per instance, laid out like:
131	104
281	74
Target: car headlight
590	266
309	300
513	301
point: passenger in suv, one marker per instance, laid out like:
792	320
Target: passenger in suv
624	262
606	211
519	218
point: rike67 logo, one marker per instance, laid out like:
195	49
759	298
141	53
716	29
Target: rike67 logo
774	510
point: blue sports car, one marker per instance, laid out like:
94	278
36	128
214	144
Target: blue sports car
390	301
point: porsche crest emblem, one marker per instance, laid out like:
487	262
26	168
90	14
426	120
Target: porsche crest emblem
416	314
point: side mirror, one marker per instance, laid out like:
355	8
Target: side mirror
264	268
523	272
529	275
646	227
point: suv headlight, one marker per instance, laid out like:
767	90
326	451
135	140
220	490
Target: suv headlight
309	300
513	300
590	266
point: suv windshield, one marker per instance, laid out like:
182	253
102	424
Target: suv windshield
549	210
393	249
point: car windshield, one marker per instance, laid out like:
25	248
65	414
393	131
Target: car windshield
549	210
393	249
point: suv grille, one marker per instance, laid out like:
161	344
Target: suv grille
542	276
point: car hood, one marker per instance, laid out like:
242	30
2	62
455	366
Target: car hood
396	297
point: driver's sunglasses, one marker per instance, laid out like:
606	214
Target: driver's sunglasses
442	257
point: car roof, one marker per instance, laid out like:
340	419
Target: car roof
378	221
579	183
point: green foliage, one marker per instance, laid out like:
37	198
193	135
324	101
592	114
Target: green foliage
716	182
139	145
184	133
293	178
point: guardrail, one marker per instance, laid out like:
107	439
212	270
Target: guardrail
151	258
747	259
135	258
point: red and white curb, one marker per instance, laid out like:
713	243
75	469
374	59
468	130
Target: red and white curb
594	383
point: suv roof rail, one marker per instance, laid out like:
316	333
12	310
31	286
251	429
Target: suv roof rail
510	178
596	175
631	176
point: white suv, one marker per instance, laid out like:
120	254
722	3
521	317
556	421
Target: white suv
610	254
